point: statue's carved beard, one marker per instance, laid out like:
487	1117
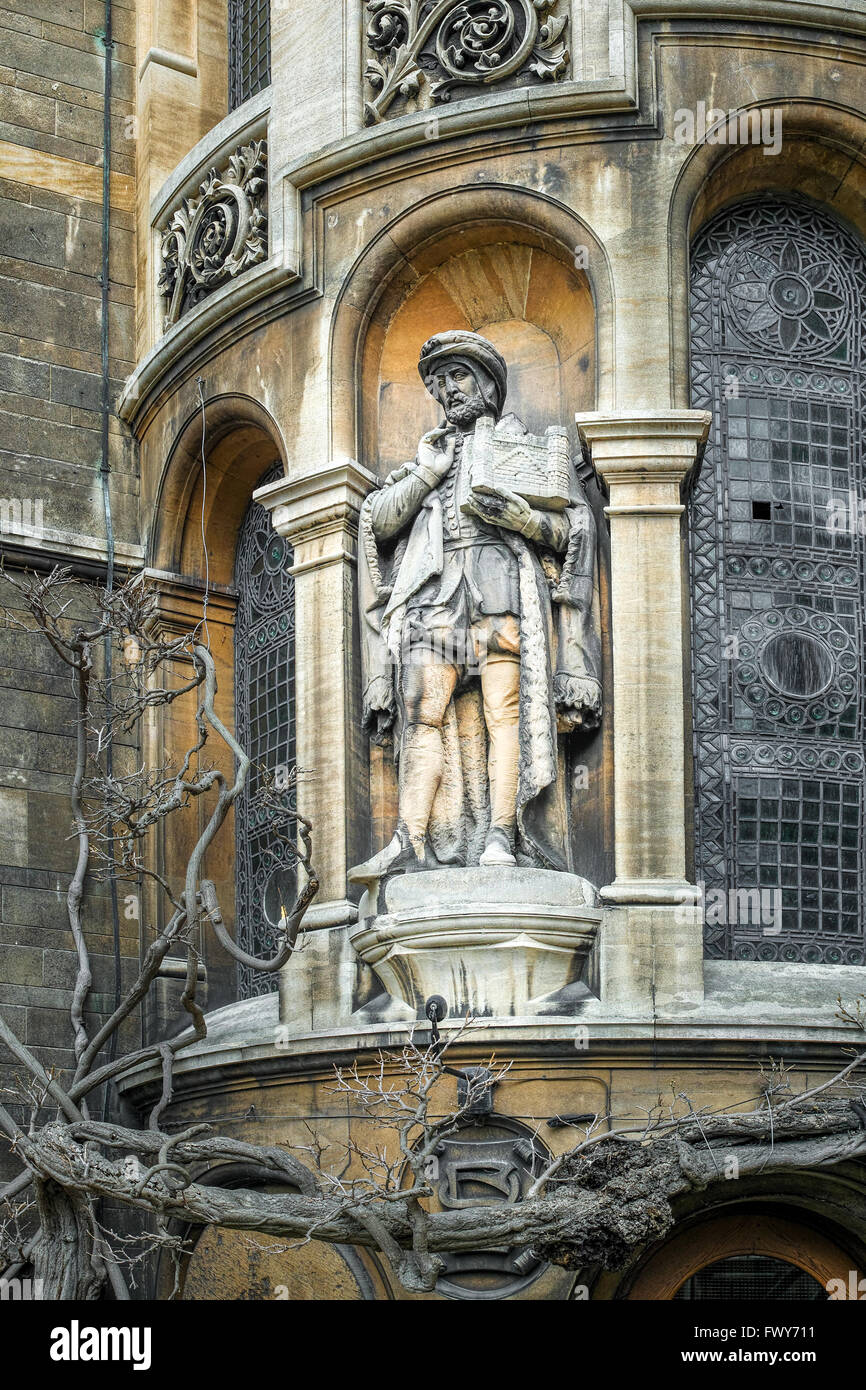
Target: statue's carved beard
464	410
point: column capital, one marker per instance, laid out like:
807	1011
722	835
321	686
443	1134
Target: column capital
643	446
318	504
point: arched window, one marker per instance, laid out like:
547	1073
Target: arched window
777	583
756	1251
265	724
249	45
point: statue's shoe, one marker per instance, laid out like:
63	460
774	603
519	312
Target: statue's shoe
497	849
397	856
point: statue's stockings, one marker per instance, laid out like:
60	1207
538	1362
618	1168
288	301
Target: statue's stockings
428	688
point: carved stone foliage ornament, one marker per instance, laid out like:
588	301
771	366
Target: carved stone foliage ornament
430	49
214	237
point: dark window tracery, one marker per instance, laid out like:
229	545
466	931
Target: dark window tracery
265	723
249	46
777	582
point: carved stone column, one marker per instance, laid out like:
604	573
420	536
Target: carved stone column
651	948
318	514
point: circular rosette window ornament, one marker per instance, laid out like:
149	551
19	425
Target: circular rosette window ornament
796	667
788	296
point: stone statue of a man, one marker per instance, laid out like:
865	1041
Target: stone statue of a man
478	640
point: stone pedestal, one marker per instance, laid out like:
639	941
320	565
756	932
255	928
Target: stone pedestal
493	942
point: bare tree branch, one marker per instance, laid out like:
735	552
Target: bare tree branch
613	1191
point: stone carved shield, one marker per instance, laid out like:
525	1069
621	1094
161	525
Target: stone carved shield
483	1165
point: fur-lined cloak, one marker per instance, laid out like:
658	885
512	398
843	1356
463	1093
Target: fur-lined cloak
559	672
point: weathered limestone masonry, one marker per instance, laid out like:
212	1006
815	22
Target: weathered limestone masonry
276	271
51	169
549	209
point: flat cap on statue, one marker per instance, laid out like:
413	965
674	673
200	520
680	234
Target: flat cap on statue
460	345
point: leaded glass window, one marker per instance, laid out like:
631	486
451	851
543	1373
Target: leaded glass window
249	44
756	1278
777	583
265	723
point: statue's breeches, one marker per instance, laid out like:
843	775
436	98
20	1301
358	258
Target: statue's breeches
442	650
482	568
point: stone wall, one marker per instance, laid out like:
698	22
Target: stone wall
51	169
51	141
309	356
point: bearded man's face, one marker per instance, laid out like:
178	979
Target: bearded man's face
459	394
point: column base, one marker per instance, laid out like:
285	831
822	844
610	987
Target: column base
649	958
649	891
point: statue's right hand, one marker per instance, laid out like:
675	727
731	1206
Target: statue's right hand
438	460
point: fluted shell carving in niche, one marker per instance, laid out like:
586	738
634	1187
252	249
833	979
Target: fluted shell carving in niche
419	53
215	236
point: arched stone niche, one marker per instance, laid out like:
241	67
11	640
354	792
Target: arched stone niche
426	242
193	536
241	440
526	290
536	310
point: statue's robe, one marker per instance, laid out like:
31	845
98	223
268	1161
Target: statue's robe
557	605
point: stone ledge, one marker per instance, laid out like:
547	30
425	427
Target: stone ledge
230	1056
835	14
785	1010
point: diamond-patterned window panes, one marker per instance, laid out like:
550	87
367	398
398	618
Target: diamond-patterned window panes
249	45
265	724
777	542
753	1277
